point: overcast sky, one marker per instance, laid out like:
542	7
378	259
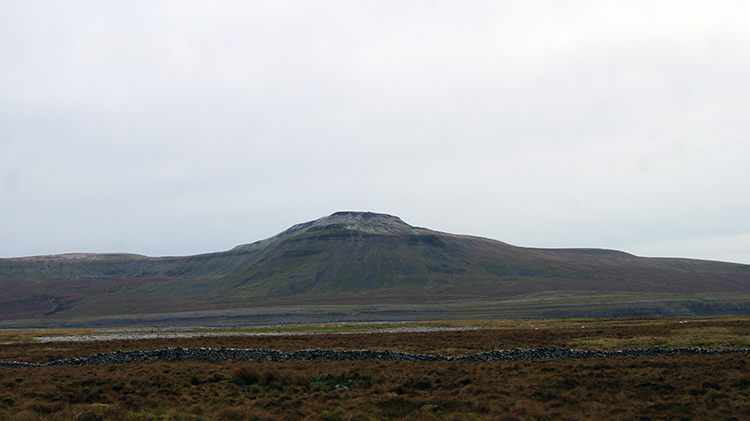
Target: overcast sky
186	127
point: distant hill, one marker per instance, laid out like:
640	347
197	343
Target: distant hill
344	258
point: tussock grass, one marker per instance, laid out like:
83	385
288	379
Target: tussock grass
688	387
682	387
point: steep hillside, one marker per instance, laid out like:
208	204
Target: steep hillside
347	257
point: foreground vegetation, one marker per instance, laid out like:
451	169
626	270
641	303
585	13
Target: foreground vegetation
704	387
684	387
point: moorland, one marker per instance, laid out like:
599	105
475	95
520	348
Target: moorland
669	387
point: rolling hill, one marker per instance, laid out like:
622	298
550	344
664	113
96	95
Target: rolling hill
344	258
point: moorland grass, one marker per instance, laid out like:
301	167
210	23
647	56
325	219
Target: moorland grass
590	334
694	387
679	387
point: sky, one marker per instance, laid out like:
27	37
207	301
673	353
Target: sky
184	127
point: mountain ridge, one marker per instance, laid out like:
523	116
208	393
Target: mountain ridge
344	257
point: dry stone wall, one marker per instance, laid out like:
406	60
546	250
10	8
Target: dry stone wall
232	354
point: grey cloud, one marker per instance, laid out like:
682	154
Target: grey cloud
188	127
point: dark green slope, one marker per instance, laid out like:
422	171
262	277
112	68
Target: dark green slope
348	257
338	260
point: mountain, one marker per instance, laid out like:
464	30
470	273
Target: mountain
344	258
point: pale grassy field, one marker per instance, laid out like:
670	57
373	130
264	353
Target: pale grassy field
601	334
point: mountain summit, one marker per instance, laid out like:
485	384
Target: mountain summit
360	221
357	220
346	257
